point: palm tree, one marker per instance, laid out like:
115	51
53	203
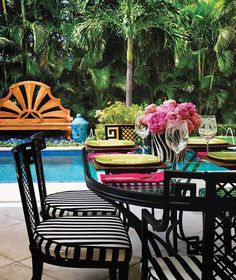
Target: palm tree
208	56
128	18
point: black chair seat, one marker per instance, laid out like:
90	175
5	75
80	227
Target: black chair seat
77	203
88	239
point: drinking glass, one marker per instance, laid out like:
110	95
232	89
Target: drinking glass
176	136
208	128
141	130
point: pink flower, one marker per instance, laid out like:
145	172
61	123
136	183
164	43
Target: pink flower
191	108
156	117
190	126
169	105
150	108
183	111
196	119
173	116
157	122
143	119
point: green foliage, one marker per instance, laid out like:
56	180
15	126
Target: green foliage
222	128
181	49
49	143
116	113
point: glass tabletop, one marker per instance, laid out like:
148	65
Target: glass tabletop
192	163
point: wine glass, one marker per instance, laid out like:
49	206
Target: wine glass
176	136
141	130
208	128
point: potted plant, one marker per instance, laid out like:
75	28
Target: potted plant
117	121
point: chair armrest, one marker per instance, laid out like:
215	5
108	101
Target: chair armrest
157	225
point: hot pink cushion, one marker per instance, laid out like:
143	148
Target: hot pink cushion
132	177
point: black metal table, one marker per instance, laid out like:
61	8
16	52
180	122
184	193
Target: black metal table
150	196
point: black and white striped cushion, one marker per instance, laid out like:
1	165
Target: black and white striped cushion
77	203
97	238
183	267
189	268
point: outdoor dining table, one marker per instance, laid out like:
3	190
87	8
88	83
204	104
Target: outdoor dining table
142	194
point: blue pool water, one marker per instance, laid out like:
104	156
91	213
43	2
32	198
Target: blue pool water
59	166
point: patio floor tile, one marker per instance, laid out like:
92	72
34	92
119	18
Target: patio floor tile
5	261
19	272
61	273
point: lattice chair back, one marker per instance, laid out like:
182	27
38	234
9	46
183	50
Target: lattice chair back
225	221
23	158
39	144
221	196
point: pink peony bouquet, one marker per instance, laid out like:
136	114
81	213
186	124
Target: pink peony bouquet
156	117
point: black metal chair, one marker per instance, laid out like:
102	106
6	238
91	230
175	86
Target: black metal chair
214	257
66	203
86	241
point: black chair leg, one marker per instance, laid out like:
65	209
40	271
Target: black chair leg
112	273
175	230
124	272
37	268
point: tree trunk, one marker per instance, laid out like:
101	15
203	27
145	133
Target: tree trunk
25	43
129	73
4	6
5	70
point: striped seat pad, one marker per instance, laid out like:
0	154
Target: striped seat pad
86	238
77	203
181	267
189	268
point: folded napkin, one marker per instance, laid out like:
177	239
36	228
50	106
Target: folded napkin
202	154
132	177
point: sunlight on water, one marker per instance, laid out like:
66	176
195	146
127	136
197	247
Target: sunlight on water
59	166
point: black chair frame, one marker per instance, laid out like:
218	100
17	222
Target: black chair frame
218	212
24	157
39	144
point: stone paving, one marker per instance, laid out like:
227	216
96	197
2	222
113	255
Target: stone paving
15	260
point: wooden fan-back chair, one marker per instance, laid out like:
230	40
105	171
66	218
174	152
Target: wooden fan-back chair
30	105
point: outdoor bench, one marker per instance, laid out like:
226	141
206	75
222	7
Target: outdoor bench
30	105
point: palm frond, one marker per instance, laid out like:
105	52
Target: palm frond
16	32
39	35
100	77
206	82
4	41
225	38
118	80
33	67
226	61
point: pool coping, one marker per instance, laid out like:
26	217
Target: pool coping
10	195
63	148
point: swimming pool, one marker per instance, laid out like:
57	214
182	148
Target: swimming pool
59	166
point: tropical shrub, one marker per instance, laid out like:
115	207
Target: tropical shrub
116	113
